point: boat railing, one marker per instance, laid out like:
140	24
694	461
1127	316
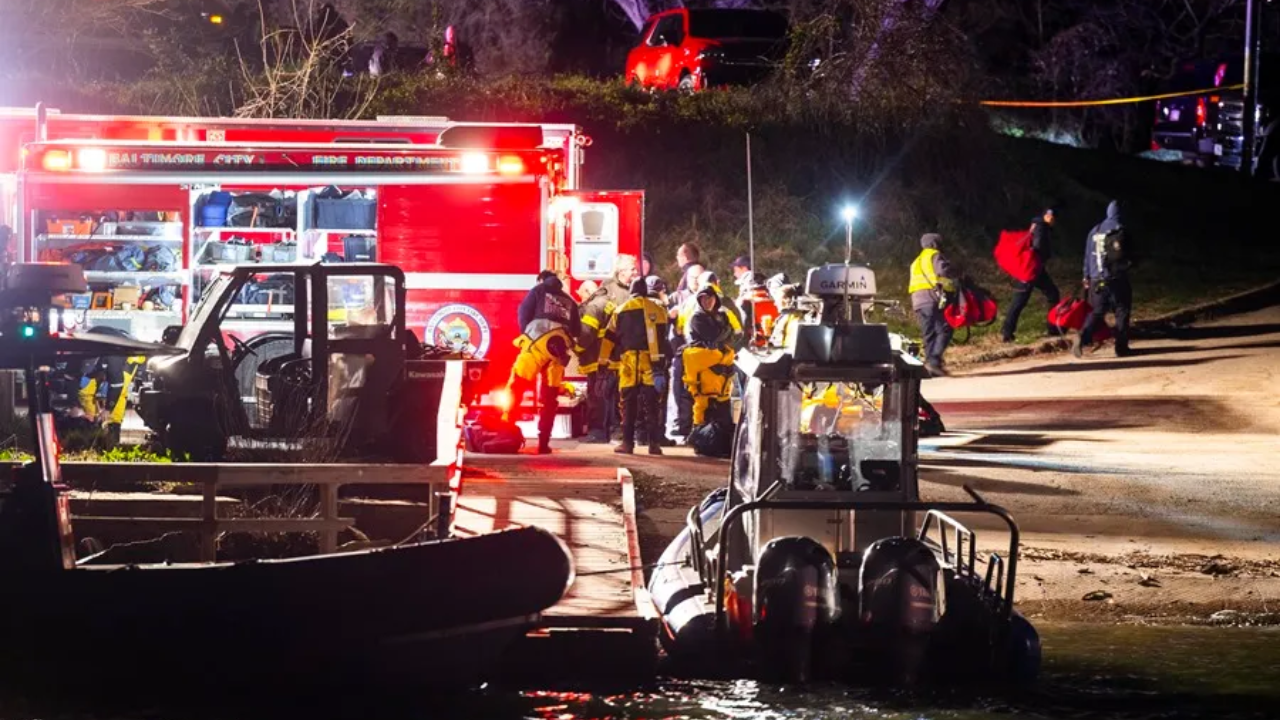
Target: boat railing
697	548
963	557
996	571
948	527
735	514
328	523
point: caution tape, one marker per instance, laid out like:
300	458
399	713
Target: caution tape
1097	103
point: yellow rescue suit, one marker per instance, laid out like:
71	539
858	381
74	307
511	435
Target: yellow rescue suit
536	360
708	375
120	390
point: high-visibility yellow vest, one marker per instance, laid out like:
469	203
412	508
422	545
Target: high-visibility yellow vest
924	278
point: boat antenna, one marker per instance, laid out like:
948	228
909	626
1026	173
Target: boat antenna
751	229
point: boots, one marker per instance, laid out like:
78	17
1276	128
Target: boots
544	447
655	449
625	448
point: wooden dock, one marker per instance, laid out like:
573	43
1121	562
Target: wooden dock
603	626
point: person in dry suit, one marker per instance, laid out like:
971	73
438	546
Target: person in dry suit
708	358
932	282
1108	258
638	330
549	319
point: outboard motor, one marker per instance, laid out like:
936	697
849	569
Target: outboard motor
796	599
902	599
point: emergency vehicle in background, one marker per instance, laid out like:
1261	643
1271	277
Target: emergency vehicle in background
155	207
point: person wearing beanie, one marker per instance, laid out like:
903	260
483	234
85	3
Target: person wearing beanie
549	322
637	330
932	284
1042	246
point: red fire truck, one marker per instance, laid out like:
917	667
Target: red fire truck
153	207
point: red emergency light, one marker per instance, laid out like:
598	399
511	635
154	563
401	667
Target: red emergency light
510	165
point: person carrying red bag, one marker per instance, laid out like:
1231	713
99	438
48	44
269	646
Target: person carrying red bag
1108	258
932	282
1042	245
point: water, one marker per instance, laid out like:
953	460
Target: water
1091	671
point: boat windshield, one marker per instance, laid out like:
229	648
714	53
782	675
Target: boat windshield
841	436
208	303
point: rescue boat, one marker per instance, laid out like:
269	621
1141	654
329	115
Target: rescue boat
818	560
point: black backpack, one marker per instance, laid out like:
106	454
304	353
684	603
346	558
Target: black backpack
713	439
491	435
1111	249
270	211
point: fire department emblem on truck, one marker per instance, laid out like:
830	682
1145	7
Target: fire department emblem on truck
460	328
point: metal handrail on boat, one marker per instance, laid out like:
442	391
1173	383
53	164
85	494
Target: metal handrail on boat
735	514
941	519
994	560
696	557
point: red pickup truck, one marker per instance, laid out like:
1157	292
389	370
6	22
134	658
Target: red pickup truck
697	49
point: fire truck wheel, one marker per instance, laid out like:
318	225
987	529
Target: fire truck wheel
687	84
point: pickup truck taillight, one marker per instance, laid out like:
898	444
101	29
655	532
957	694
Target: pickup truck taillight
1202	112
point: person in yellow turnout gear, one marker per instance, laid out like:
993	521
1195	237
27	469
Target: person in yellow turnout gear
708	357
550	321
638	332
116	373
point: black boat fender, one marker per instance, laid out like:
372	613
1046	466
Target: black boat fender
901	601
1023	651
795	601
688	614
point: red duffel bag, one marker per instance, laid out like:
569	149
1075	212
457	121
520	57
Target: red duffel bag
974	308
1015	256
1070	314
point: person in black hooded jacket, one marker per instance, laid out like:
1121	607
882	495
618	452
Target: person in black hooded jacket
1042	245
1108	258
